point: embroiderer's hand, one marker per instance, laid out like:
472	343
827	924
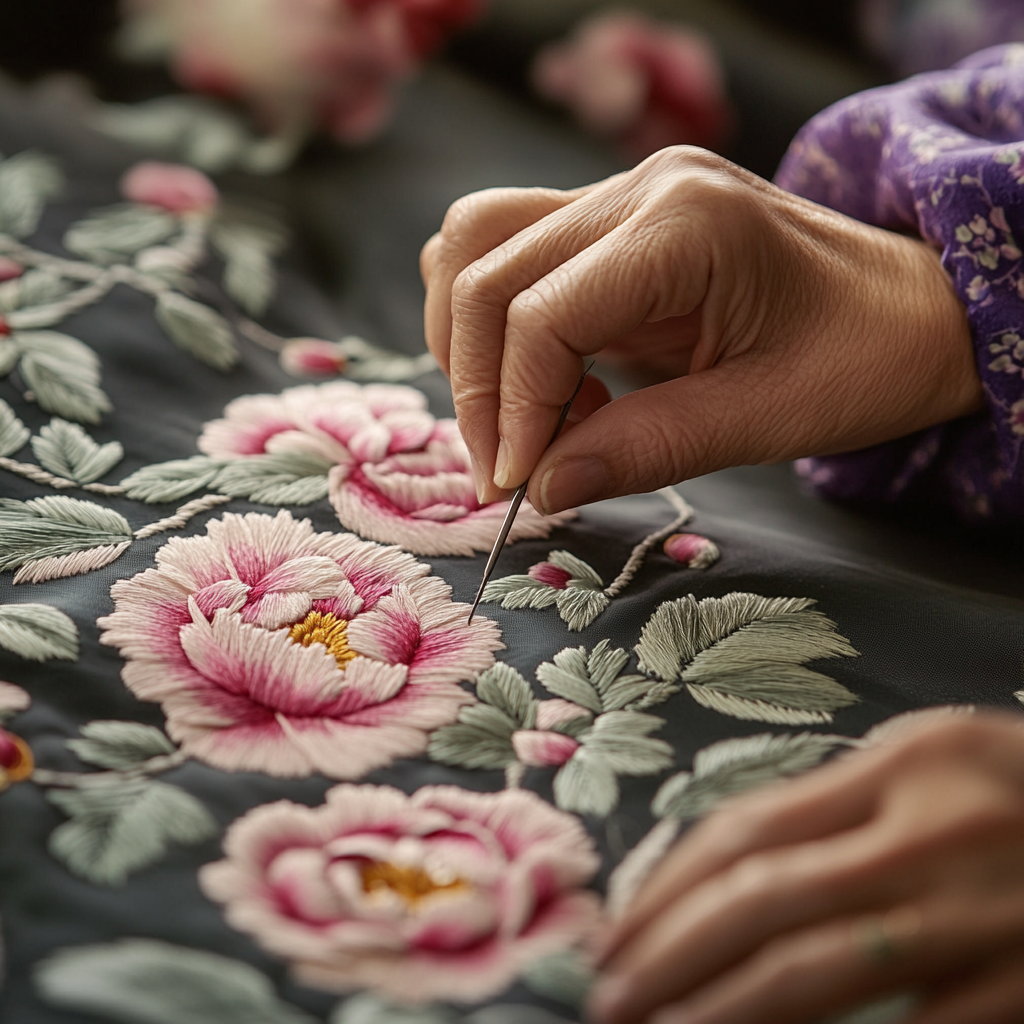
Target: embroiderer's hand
778	327
899	868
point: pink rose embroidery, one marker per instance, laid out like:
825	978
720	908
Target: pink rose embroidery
273	648
172	187
399	475
442	895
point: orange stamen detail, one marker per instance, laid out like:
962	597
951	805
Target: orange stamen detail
327	629
412	884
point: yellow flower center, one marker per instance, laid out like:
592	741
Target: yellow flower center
411	883
327	629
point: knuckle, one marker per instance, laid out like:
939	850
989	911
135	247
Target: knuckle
462	216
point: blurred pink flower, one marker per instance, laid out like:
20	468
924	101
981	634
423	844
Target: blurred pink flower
10	269
172	187
540	749
400	476
443	895
276	649
313	357
328	64
646	85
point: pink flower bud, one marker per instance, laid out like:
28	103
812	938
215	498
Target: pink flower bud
10	269
16	762
554	712
313	357
12	699
172	187
550	574
692	550
543	749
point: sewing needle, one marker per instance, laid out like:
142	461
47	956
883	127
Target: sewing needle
517	500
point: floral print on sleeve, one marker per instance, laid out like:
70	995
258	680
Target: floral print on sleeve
941	155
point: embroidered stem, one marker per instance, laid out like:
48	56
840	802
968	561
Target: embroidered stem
39	475
514	774
183	515
81	780
639	553
260	335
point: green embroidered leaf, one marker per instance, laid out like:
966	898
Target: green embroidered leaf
9	355
469	746
568	677
755	710
116	233
621	739
123	826
736	765
791	686
366	1008
27	182
171	481
53	526
519	591
38	632
595	679
67	450
564	977
586	784
197	329
579	606
143	981
38	570
36	287
248	239
575	567
13	433
64	375
291	478
505	689
120	745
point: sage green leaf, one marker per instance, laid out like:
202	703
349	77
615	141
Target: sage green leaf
791	686
604	665
53	526
568	677
199	330
248	239
288	478
13	433
36	287
116	233
143	981
123	826
367	1008
38	632
574	727
63	373
755	710
120	745
519	591
9	355
504	688
67	450
564	977
622	740
579	606
470	746
28	181
586	784
171	481
736	765
575	567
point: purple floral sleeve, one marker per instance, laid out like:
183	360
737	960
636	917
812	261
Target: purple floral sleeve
940	155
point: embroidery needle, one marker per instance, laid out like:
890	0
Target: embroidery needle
517	500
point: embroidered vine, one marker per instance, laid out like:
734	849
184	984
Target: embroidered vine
576	589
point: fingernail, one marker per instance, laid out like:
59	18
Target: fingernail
573	482
501	466
479	479
607	1000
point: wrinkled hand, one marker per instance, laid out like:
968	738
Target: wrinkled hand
779	329
893	869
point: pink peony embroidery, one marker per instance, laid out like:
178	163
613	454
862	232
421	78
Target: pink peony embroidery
172	187
400	476
273	648
442	895
644	84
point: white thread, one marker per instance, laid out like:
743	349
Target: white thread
514	774
39	475
639	553
182	515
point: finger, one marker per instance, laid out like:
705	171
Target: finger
473	226
992	997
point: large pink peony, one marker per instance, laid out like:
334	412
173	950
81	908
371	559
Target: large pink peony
400	475
328	64
442	895
273	648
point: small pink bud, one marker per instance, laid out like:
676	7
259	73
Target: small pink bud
313	357
692	550
16	761
543	749
10	269
550	574
172	187
554	712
